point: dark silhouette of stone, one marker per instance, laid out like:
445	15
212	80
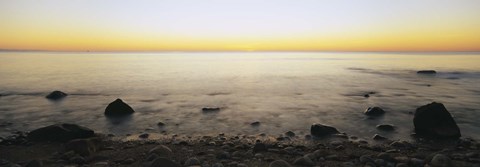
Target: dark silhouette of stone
256	123
118	108
433	120
60	133
56	95
163	162
374	111
379	137
386	127
259	147
426	72
210	109
319	130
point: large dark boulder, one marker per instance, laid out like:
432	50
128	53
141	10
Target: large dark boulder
56	95
60	133
433	120
118	108
319	130
374	111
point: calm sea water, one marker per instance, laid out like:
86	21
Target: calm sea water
284	91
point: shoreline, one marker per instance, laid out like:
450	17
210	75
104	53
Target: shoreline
238	150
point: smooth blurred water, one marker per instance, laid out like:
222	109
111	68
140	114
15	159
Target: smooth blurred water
284	91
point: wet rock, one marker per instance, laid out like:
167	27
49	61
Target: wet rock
259	147
417	162
401	165
379	137
304	161
386	127
366	95
60	133
365	158
34	163
77	160
440	160
118	108
433	120
374	111
82	147
161	151
279	163
256	123
384	156
401	159
426	72
319	130
211	109
192	162
144	135
290	134
56	95
128	161
163	162
160	124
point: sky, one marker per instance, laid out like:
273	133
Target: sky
240	25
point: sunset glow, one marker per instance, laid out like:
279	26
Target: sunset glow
247	25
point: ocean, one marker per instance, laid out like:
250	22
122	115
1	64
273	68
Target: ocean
285	91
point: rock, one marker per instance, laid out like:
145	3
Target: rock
290	134
56	95
256	123
374	111
128	161
319	130
160	124
118	108
379	137
192	162
217	165
336	143
161	151
386	127
365	158
384	156
366	95
440	160
144	135
304	161
259	147
279	163
433	120
77	159
426	72
60	133
417	162
401	165
34	163
210	109
163	162
82	147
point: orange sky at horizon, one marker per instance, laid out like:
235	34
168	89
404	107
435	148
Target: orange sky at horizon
240	26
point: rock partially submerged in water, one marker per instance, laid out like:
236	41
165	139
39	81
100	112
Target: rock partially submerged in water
118	108
374	111
60	133
319	130
210	109
386	127
427	72
56	95
433	120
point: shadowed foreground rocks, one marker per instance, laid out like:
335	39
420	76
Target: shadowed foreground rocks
319	130
118	108
60	133
434	121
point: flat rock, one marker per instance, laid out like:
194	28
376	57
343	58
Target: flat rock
60	132
433	120
320	130
374	111
386	127
426	72
56	95
118	108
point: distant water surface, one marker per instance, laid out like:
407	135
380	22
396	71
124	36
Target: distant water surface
284	91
